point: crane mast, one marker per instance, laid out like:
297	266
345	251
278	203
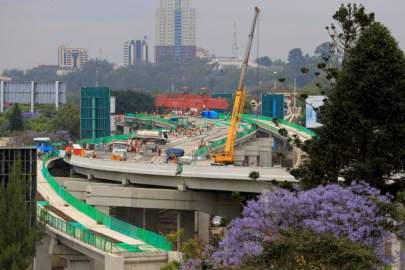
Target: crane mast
226	157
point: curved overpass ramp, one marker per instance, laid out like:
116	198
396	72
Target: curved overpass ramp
84	228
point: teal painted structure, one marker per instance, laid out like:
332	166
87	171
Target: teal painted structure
95	112
273	106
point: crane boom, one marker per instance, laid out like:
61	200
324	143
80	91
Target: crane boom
226	157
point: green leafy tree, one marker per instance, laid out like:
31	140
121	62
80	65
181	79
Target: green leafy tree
306	250
18	234
363	132
68	118
129	101
15	120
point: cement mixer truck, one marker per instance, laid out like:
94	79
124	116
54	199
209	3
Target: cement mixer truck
158	136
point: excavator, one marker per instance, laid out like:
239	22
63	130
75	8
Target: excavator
227	156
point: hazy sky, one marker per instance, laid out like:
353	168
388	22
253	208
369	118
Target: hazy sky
31	30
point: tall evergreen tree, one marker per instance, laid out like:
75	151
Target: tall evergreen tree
18	236
363	132
15	118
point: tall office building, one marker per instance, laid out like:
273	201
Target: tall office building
136	52
175	31
72	58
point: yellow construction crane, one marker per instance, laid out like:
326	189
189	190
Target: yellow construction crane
226	157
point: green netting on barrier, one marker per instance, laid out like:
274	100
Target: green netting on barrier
249	117
151	238
152	118
74	231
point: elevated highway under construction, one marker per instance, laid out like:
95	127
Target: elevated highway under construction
151	195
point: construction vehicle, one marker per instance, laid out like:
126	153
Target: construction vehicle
227	156
156	136
119	150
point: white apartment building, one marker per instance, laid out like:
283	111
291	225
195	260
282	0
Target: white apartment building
72	58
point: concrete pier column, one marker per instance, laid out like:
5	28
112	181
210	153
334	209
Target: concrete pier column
43	256
114	262
178	227
202	226
96	265
79	264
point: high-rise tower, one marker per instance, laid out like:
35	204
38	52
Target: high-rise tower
175	31
136	52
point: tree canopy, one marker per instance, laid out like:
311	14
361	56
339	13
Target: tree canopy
15	120
18	235
363	119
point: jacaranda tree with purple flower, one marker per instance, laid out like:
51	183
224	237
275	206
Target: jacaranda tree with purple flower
344	211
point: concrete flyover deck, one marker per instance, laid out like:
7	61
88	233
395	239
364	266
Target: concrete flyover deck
218	178
47	192
83	254
116	195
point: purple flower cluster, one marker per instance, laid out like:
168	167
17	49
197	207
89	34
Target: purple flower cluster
344	211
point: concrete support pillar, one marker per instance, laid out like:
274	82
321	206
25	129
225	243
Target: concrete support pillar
144	218
96	265
1	96
202	226
104	209
57	95
187	224
43	256
114	262
126	130
32	95
79	264
178	227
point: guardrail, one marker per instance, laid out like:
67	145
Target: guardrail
150	238
82	234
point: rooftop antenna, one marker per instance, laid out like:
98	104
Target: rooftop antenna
235	47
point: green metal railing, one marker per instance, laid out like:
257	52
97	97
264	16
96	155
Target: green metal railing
82	234
148	237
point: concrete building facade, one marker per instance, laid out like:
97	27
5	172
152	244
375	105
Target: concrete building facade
72	58
135	52
175	31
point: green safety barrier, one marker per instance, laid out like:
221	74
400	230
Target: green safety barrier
152	118
247	117
151	238
74	231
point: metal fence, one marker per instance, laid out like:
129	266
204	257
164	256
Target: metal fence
148	237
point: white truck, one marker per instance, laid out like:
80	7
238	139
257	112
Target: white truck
156	136
119	150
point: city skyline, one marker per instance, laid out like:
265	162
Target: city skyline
104	25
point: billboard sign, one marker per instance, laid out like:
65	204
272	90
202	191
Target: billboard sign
312	115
